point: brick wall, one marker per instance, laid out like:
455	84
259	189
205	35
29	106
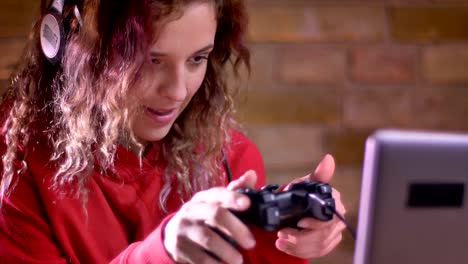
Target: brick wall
326	73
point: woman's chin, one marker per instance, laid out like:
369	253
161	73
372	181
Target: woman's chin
151	134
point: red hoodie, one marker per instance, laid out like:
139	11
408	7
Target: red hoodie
37	226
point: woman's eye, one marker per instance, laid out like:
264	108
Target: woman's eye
155	61
198	59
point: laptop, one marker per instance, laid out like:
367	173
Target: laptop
413	205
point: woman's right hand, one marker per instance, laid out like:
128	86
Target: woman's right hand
189	234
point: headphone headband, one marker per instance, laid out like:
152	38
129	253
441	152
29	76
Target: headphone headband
58	5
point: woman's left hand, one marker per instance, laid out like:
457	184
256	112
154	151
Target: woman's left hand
317	238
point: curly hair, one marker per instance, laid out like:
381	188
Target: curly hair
85	103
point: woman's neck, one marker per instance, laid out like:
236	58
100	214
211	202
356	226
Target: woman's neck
139	148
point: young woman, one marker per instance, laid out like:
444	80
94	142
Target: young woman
121	150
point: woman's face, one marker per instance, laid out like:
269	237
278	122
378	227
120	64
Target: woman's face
174	70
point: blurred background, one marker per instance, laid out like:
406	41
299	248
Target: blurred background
326	74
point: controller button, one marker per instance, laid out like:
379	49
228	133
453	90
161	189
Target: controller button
272	216
325	189
268	197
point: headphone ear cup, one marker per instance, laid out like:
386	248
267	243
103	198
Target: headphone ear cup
52	36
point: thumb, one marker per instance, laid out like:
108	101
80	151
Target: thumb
325	169
247	180
323	172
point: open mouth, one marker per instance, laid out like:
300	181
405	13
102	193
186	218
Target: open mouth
161	115
160	112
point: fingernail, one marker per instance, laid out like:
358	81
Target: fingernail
319	165
282	235
302	224
251	242
242	201
246	174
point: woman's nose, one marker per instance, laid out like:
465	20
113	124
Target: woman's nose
174	87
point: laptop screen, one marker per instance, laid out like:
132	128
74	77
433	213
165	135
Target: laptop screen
413	199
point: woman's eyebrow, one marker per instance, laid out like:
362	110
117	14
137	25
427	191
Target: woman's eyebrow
208	47
204	49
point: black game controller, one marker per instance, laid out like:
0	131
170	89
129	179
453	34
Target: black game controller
271	209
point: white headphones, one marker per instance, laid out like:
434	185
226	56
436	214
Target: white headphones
53	34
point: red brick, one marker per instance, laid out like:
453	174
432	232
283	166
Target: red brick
288	146
264	59
445	64
10	51
369	108
388	64
309	22
346	145
441	108
17	16
287	105
308	64
421	25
